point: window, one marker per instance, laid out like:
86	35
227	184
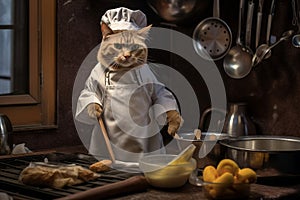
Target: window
13	42
27	62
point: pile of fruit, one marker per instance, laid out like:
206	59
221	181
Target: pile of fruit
228	181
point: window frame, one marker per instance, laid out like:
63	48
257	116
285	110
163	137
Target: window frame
37	109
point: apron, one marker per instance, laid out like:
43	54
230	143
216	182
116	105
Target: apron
134	105
129	116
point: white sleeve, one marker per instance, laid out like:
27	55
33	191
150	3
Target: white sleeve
92	93
164	98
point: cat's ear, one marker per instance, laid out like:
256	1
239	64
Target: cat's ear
144	32
105	30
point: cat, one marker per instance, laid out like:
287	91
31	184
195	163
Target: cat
123	50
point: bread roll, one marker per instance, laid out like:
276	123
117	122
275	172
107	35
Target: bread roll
101	166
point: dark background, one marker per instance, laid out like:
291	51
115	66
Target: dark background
272	90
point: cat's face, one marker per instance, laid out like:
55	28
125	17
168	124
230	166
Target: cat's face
124	50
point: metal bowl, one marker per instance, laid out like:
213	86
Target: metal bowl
279	153
208	150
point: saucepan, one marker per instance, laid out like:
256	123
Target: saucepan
279	154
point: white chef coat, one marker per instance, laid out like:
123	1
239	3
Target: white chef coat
134	103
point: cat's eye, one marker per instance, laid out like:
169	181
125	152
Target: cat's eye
135	47
118	46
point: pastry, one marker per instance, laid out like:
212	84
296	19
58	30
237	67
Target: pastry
101	166
55	176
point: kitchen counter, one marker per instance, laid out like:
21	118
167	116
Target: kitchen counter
277	188
190	192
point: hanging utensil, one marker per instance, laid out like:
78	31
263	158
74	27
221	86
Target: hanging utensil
269	25
295	14
263	50
296	21
249	24
238	62
296	38
258	22
212	36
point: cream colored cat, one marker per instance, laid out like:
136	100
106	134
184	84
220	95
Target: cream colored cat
123	50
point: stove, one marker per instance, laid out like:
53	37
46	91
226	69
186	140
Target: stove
10	169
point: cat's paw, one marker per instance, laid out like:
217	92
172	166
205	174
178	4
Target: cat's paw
94	110
174	121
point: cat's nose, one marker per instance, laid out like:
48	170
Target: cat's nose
127	55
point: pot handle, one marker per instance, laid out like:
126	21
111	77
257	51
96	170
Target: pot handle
205	114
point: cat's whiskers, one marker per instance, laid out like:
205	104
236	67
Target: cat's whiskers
115	58
114	66
140	61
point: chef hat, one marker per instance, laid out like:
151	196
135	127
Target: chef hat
124	19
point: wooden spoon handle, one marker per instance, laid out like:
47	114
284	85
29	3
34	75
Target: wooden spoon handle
107	142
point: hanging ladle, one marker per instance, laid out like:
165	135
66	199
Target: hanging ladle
237	63
296	21
264	49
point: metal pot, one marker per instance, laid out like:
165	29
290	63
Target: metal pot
236	121
208	150
5	131
280	154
